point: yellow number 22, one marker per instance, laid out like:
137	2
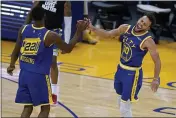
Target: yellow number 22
30	46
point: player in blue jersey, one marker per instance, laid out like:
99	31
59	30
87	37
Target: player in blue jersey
34	48
55	13
136	42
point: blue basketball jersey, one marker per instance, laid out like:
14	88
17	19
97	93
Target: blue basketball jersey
34	56
131	52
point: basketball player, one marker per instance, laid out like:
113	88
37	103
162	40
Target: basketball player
136	42
55	12
34	47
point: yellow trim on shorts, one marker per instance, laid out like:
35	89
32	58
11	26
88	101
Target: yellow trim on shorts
24	103
123	100
129	68
36	105
135	100
144	41
43	105
131	101
118	94
23	29
135	79
134	85
49	90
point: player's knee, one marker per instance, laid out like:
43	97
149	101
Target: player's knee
45	108
28	108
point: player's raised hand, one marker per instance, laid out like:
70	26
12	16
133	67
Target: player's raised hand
155	84
90	26
82	25
10	70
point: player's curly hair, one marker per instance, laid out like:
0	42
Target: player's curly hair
38	13
152	18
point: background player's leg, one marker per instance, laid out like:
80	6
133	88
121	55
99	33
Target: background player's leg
67	21
54	79
27	111
45	109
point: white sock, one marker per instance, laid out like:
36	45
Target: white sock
67	29
125	109
54	89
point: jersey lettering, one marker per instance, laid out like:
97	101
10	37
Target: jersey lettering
50	6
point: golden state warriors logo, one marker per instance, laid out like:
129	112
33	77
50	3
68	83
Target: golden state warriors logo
126	52
30	46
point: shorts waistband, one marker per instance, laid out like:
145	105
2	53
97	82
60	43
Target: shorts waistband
129	68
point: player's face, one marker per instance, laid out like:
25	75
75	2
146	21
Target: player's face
143	24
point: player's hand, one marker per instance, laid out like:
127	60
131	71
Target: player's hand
155	84
82	25
90	26
10	70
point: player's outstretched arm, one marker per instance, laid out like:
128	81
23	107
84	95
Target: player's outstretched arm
54	38
29	16
109	34
149	44
15	53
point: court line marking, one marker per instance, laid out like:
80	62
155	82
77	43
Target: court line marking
160	110
71	64
65	107
69	110
112	79
99	77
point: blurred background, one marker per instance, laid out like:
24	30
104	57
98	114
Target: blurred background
103	14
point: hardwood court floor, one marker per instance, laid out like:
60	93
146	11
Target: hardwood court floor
84	92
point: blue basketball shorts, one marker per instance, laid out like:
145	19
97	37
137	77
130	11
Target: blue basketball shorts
33	89
55	48
128	82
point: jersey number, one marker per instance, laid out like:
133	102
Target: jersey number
126	49
30	46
